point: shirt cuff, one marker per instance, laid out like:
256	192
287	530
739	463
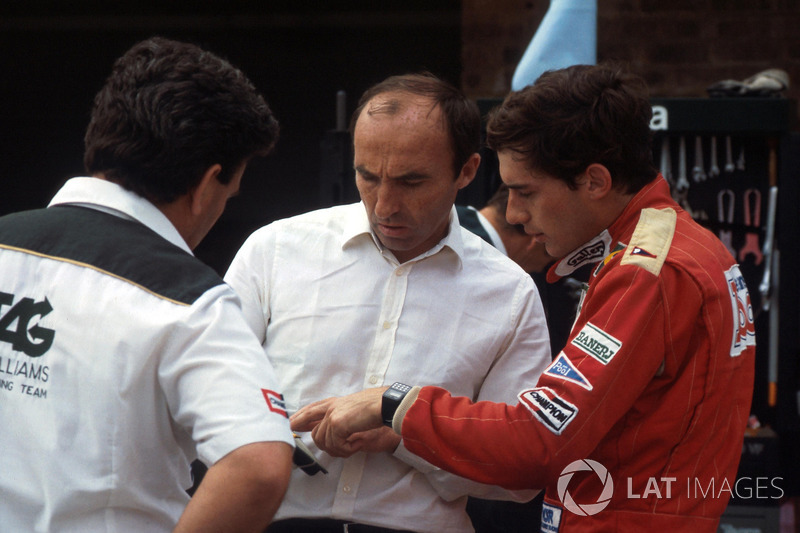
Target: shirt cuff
402	409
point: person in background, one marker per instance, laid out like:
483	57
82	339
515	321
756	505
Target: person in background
559	299
489	223
652	392
392	288
124	356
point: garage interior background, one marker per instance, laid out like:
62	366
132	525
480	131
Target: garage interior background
55	55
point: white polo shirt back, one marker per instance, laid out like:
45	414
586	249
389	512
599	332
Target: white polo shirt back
122	358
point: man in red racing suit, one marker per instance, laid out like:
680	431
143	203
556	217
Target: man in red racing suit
638	423
654	385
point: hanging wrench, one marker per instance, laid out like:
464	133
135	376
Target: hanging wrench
740	161
751	246
725	217
666	164
713	172
683	184
765	288
729	166
698	173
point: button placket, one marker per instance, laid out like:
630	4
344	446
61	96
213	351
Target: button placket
389	319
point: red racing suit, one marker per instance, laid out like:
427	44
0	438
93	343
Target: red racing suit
638	423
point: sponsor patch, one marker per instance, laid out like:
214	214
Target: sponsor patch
275	402
563	368
597	343
744	331
551	518
617	249
592	251
641	251
553	411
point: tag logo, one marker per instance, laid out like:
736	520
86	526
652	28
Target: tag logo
597	343
275	402
563	368
551	518
554	412
16	328
744	331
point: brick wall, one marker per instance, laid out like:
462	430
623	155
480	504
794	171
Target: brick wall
679	46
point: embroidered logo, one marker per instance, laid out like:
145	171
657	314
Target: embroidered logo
744	331
597	343
551	410
275	402
591	252
551	518
642	252
617	249
563	368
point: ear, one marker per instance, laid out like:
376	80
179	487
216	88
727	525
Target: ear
598	181
204	191
469	170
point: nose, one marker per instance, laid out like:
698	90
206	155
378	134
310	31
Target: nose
515	213
387	201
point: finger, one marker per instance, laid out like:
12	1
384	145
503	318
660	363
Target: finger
307	417
332	443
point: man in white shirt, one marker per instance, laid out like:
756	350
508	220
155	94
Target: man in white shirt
392	288
123	357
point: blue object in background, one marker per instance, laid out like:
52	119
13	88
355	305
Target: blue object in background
566	36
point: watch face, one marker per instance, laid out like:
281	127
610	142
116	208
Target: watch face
394	394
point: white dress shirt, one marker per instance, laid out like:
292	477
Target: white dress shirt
97	431
337	313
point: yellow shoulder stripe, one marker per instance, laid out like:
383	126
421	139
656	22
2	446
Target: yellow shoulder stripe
651	240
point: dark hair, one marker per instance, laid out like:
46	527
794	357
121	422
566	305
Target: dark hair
169	111
461	115
571	118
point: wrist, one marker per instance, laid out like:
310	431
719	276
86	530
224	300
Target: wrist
390	401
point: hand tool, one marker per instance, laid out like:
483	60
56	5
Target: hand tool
713	172
751	199
698	172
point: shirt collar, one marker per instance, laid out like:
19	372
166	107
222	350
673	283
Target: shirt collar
357	227
111	198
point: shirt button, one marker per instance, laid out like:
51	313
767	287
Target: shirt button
373	379
387	325
346	489
399	272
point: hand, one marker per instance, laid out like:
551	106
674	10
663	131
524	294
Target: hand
337	424
376	440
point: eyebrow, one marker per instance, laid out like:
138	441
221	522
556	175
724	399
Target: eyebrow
407	176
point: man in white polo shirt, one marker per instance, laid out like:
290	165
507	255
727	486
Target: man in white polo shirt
122	357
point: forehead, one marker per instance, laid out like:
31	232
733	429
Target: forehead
514	170
396	126
401	108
